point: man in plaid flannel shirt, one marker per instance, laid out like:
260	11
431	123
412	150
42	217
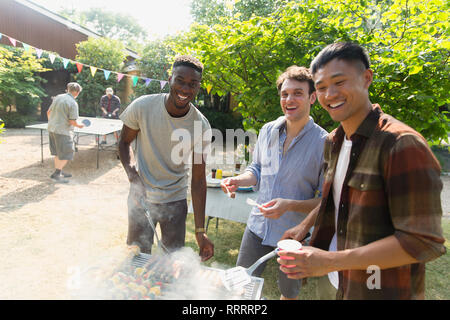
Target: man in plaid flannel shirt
379	220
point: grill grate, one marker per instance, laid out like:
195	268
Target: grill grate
252	291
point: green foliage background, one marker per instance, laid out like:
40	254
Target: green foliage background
154	64
101	53
20	85
245	45
407	40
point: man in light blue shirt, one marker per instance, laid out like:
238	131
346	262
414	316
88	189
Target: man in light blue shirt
287	164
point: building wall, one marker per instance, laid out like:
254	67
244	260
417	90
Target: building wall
37	30
42	31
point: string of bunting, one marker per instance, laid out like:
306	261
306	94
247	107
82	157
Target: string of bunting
80	65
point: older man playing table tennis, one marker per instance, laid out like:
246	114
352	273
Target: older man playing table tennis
62	118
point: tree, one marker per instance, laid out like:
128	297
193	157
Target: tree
211	12
109	24
154	63
20	86
407	41
102	53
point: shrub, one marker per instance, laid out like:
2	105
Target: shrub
16	120
222	121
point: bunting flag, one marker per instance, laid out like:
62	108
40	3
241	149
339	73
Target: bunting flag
135	80
26	47
93	70
65	62
51	57
208	88
106	73
13	41
38	52
79	66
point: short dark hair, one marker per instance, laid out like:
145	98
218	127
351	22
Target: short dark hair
297	73
188	61
347	51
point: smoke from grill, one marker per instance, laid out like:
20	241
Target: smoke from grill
175	276
178	275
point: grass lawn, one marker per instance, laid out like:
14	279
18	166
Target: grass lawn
227	239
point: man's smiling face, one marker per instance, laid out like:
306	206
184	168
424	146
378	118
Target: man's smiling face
295	99
184	86
342	89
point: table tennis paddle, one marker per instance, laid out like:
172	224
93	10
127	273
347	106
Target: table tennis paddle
86	122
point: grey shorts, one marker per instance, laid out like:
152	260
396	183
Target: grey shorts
170	216
251	250
61	146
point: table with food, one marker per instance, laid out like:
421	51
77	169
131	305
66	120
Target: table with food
219	206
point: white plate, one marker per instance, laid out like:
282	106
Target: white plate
211	182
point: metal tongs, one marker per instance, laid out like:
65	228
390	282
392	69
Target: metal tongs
152	225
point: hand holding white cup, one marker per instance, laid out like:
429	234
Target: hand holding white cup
288	245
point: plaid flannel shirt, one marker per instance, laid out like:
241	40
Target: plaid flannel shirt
392	187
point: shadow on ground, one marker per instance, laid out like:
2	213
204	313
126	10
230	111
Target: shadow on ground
33	183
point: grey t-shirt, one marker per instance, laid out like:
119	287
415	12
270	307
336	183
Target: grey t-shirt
63	108
163	161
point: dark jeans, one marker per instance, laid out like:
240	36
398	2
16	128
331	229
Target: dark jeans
251	250
170	216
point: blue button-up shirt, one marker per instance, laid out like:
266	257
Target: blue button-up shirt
295	175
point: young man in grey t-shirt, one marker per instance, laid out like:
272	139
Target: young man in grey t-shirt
161	123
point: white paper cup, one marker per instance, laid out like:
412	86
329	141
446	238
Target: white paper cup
289	245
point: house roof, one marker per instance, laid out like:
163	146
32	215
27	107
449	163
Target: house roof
68	23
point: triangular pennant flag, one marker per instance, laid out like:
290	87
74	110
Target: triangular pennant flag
93	70
13	41
208	88
79	66
147	81
135	80
38	52
119	76
26	47
52	57
65	62
106	73
163	84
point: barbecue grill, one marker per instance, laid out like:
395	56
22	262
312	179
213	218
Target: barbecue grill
160	277
251	291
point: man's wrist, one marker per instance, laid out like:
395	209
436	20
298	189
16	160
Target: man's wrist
200	230
132	174
340	260
242	180
291	205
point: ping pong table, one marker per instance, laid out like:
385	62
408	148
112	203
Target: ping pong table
98	127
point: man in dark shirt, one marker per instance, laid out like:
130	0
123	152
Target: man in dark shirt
110	106
379	221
